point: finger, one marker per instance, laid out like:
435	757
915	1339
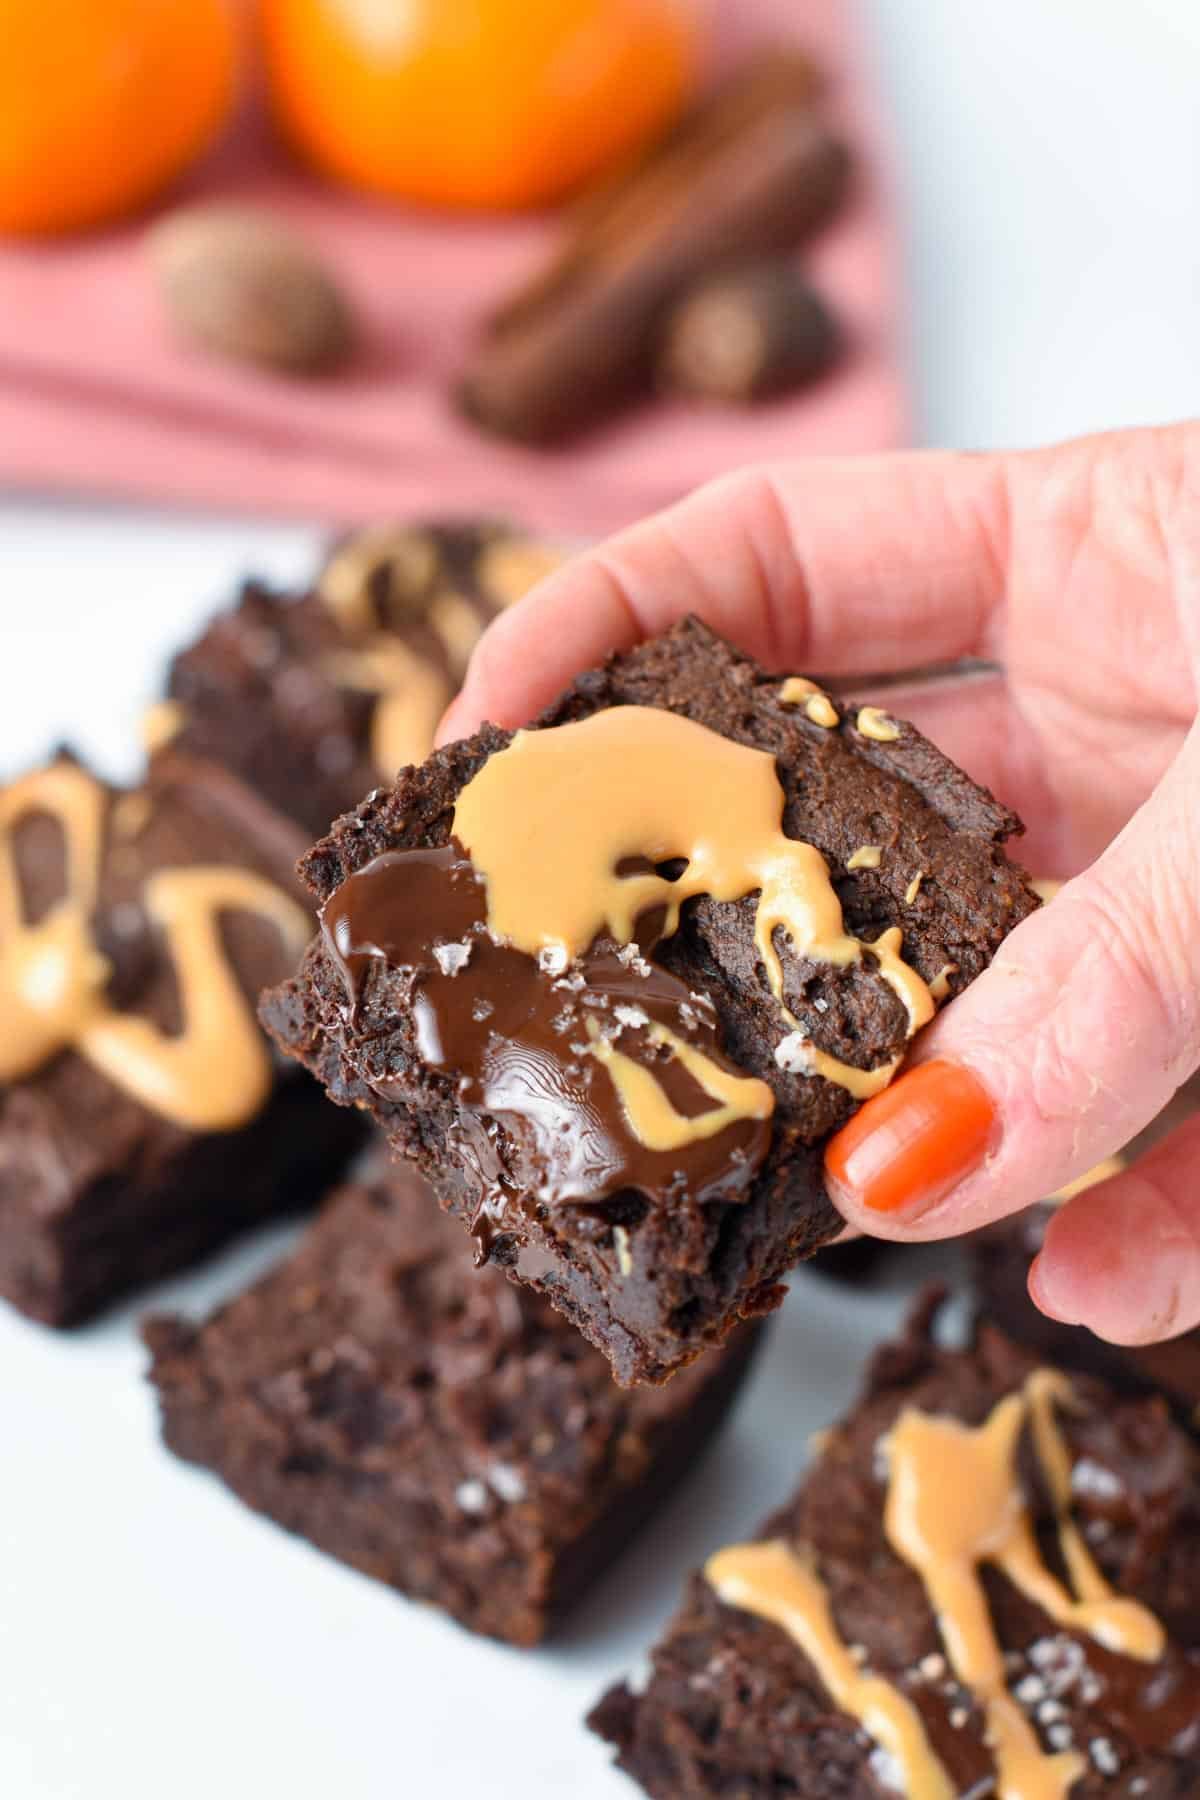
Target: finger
1124	1258
1079	1033
870	564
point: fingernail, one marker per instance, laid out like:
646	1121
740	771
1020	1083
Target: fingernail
914	1142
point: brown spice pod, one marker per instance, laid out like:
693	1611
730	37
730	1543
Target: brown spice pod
747	335
753	172
238	283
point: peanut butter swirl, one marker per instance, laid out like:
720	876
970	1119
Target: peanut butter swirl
774	1582
954	1503
214	1074
551	821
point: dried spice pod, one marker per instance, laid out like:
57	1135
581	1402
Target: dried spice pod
751	174
241	285
747	335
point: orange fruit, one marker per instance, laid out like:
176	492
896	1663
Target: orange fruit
476	103
102	102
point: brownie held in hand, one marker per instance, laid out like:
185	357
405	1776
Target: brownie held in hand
989	1584
442	1431
613	981
143	1116
312	699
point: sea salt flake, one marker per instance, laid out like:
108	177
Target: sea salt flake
552	959
450	958
1104	1755
506	1481
631	1016
471	1496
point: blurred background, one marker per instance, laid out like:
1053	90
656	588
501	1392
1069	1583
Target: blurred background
554	260
1016	259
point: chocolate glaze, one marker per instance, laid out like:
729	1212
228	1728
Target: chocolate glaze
516	1033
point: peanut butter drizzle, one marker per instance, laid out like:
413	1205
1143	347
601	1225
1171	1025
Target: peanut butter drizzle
652	1119
161	723
459	624
798	690
212	1076
413	695
510	566
954	1502
548	822
1110	1165
873	722
773	1582
345	582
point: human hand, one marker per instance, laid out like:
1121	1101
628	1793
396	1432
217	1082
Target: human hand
1078	570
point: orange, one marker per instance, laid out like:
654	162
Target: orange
476	103
102	102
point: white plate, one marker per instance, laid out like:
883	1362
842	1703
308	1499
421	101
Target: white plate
157	1639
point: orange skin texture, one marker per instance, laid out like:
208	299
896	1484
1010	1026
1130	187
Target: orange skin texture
104	102
490	105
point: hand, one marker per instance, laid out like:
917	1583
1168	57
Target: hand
1078	569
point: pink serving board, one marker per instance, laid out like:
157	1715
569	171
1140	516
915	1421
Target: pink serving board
95	397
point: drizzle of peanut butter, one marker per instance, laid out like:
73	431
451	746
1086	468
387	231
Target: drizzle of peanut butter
652	1118
548	822
413	695
873	722
772	1581
213	1075
955	1502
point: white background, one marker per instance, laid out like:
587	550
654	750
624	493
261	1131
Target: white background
154	1638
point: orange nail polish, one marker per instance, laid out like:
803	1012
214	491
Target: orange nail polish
910	1145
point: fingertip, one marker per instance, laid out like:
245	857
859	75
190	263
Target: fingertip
1041	1292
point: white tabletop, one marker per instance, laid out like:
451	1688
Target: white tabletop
157	1640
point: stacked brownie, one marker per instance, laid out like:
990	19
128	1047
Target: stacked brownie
143	1116
438	1428
989	1584
493	1067
314	699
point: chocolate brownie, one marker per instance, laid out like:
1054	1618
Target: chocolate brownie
628	1104
989	1583
312	699
443	1431
999	1257
143	1115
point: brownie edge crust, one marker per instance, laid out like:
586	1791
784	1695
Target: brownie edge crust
441	1431
651	1284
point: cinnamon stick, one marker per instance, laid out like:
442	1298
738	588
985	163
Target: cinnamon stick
754	170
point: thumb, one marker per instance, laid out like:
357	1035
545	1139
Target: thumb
1080	1032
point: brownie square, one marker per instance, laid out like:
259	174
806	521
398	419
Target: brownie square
312	699
105	1184
443	1431
734	1705
655	1259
